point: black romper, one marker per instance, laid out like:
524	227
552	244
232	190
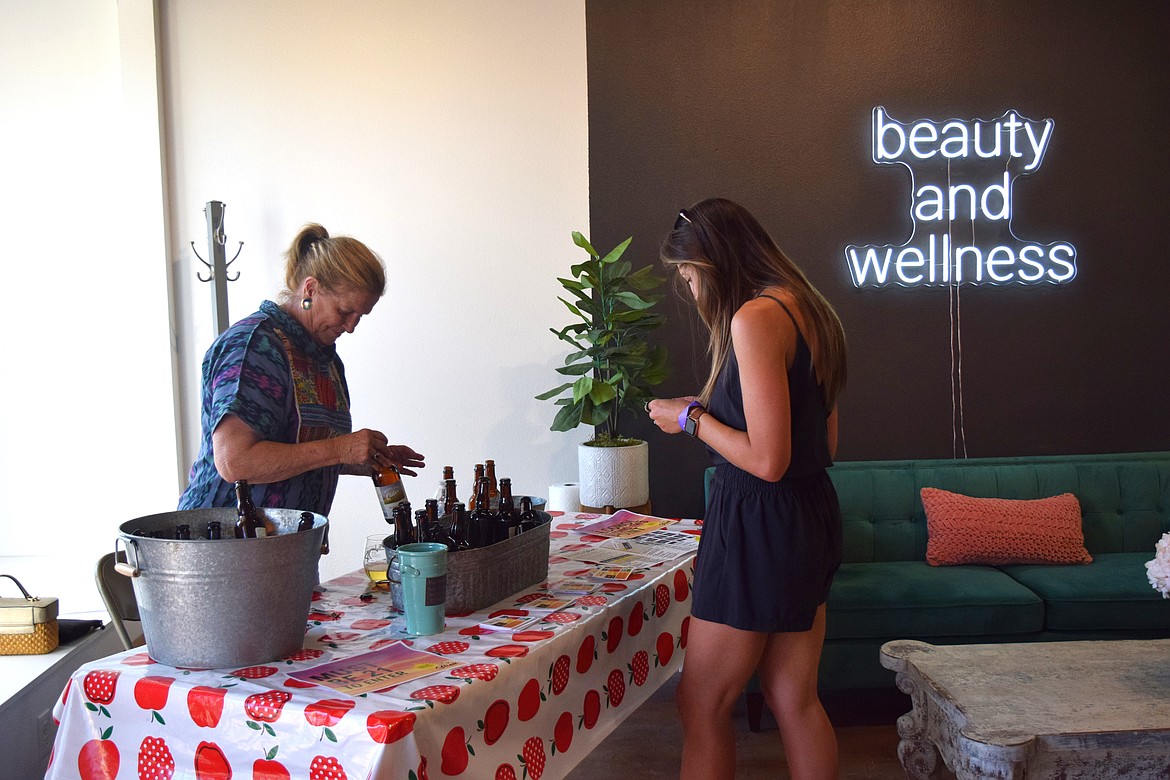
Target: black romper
769	550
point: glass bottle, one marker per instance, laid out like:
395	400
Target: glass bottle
459	525
507	518
448	473
450	499
306	522
250	521
432	510
182	531
214	529
480	525
391	491
424	531
493	487
404	531
475	486
528	517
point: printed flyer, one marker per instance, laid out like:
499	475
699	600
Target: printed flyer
376	670
625	524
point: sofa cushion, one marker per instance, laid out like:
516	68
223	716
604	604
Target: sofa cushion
912	599
962	529
1111	593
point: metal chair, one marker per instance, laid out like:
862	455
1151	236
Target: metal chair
118	595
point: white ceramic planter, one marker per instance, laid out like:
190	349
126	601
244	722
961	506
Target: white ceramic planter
614	476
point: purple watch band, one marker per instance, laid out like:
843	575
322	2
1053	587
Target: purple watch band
682	416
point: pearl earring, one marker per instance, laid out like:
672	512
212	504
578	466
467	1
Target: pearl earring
306	303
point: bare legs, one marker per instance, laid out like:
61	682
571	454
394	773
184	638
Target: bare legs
718	664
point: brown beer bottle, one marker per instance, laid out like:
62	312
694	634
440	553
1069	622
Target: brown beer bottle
182	531
507	519
481	525
306	522
449	500
475	486
493	488
250	521
404	532
459	525
214	530
391	491
528	517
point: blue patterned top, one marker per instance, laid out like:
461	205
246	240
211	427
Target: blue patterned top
269	372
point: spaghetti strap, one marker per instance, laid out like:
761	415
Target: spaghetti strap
795	324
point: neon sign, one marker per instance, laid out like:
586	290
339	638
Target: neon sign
962	174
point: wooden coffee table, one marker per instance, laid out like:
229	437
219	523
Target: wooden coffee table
1035	710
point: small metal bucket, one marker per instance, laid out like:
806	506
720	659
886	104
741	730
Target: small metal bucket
220	603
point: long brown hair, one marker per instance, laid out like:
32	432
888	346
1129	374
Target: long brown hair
736	260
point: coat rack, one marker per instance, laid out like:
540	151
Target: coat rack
217	268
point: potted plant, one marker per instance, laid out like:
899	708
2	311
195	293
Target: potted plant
614	366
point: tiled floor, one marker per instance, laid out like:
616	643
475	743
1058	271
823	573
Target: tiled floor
647	745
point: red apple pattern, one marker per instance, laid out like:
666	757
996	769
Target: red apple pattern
155	761
522	722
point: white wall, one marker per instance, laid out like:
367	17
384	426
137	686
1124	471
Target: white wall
87	433
450	137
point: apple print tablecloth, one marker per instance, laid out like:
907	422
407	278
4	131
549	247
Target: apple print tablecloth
527	704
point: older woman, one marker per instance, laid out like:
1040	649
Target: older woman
275	408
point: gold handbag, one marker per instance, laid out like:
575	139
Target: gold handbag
28	626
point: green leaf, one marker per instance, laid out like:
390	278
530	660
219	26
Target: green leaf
590	270
582	387
155	716
573	308
91	706
583	242
616	252
600	392
106	734
271	754
269	730
572	284
329	735
634	301
577	370
553	393
253	726
644	279
568	418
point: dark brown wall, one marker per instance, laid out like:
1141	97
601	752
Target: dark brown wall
769	103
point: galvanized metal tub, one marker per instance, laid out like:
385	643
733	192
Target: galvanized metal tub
220	603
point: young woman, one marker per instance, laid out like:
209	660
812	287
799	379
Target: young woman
771	541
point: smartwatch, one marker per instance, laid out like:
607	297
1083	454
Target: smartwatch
689	424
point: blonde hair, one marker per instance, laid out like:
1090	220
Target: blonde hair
337	263
736	260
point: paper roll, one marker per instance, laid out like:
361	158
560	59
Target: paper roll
565	497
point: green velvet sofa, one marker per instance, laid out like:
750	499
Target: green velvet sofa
886	590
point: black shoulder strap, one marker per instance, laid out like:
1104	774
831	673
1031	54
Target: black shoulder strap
795	324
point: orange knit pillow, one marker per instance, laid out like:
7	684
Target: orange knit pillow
962	529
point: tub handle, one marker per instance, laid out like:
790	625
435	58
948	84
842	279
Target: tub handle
125	568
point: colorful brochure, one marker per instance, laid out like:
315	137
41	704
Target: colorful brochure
624	524
375	670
